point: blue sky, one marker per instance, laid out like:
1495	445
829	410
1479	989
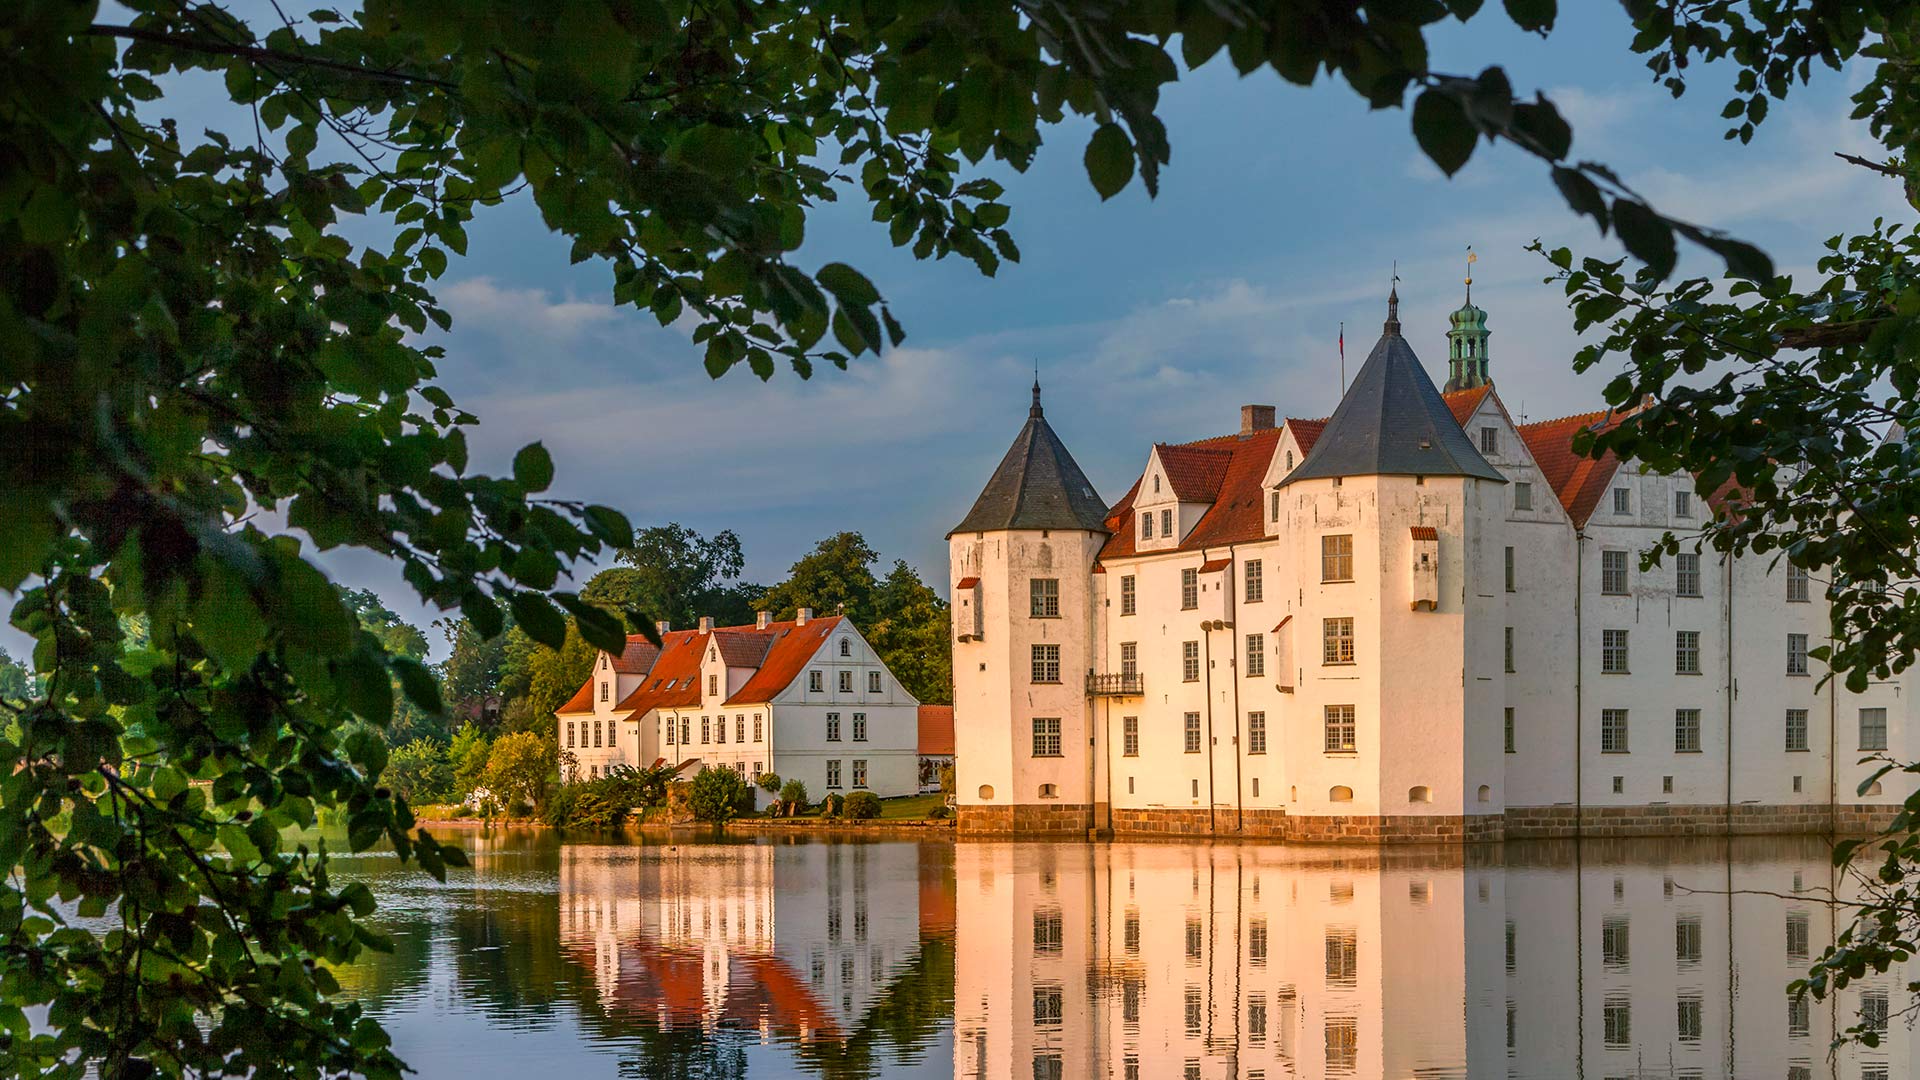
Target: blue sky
1280	216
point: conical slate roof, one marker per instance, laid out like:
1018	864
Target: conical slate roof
1392	422
1037	486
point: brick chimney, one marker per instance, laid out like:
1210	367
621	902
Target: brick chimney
706	624
1255	418
800	617
663	628
761	619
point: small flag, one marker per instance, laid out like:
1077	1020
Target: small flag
1343	341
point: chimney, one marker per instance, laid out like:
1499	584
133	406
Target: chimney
663	627
706	624
1255	418
761	619
800	617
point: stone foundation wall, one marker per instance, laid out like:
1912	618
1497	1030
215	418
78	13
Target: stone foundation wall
1025	819
1694	819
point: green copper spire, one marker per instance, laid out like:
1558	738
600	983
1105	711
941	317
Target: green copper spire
1467	341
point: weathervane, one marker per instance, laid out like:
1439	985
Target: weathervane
1471	259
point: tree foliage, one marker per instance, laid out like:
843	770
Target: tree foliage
520	767
904	620
718	795
680	575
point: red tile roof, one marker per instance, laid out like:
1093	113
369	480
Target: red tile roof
1235	515
1194	470
968	583
745	647
1577	481
674	679
580	702
1463	403
639	657
788	651
778	651
936	731
1425	532
1212	566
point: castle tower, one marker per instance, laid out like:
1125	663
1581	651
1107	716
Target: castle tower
1021	569
1467	346
1394	512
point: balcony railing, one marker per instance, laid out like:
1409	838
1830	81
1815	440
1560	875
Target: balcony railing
1124	684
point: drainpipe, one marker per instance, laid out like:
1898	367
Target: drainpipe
1206	675
1727	814
1579	670
1833	748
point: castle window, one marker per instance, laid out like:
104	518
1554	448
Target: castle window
1190	661
833	727
1622	500
1193	732
1873	729
1796	584
1256	733
1044	595
1686	731
1256	655
1613	731
1338	720
1130	736
1146	525
1509	730
1613	652
1686	652
1522	495
1046	736
1189	589
1489	440
846	682
1686	573
1166	523
1336	641
1129	658
1613	573
1127	595
1046	663
1797	729
1485	795
1510	570
1336	558
1796	654
873	682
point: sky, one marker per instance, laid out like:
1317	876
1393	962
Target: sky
1282	215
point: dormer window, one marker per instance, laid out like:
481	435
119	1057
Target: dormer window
1146	525
1166	523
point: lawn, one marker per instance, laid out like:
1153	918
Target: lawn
911	807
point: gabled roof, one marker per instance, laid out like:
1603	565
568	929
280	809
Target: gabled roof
789	648
1464	403
936	731
746	647
674	678
1037	486
1235	515
1393	422
1194	471
1577	481
580	702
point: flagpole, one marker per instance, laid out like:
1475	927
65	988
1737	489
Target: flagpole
1343	359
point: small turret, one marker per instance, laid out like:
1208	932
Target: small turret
1467	342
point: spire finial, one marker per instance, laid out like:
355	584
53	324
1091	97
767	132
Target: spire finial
1471	259
1035	411
1393	301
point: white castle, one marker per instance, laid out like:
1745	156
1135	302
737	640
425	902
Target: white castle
1413	620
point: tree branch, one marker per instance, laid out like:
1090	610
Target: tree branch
254	52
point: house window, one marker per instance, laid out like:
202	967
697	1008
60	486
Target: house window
1166	524
1613	652
1256	733
686	730
1796	654
706	730
720	730
1256	655
1686	731
1190	661
1046	663
833	773
1509	649
1048	1008
859	727
1336	558
1509	569
1873	729
1509	730
1336	641
1045	597
846	682
1146	525
756	771
1192	726
1273	504
569	734
1489	440
603	690
1687	940
1343	957
846	647
873	682
1686	573
1622	501
1339	729
1129	658
1189	589
1046	736
1613	731
816	682
740	728
833	727
1522	495
1686	652
713	685
860	772
1255	588
1130	736
1796	729
1796	584
1683	504
1127	595
1613	573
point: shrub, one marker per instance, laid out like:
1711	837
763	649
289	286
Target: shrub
833	805
793	797
862	806
716	795
771	783
940	812
519	766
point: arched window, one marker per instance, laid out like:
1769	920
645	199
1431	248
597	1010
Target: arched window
1048	791
1420	793
1340	793
1486	793
986	792
1293	793
846	647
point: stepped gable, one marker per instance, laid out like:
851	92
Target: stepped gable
1393	422
1038	485
1577	481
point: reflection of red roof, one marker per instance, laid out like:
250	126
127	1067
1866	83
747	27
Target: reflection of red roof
1577	481
936	731
673	982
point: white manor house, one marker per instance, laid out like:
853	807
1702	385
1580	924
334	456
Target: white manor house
1412	620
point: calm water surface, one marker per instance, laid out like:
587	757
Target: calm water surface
791	957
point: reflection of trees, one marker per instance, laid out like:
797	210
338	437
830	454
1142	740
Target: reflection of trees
382	978
506	954
686	1054
910	1011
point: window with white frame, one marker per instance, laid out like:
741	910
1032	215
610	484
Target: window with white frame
605	689
1192	729
569	734
859	727
720	729
1146	525
1338	722
816	682
1046	663
1683	504
1190	661
873	682
1686	652
833	773
1130	736
713	685
1044	597
1489	440
740	728
833	727
1336	558
1686	731
1046	736
846	646
1256	733
1613	573
1797	591
1273	505
1129	658
846	682
686	730
1613	652
1256	656
1336	641
1686	573
859	772
1522	495
1048	1008
1127	595
1796	654
1189	589
706	730
1796	729
1873	729
1166	523
1255	585
1622	500
1613	731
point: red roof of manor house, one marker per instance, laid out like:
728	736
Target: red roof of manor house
936	731
779	652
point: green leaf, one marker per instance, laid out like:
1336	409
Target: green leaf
1541	122
609	525
536	615
1533	14
1109	160
533	467
1443	130
848	285
364	686
1646	234
417	683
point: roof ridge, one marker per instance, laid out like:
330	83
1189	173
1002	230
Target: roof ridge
1597	414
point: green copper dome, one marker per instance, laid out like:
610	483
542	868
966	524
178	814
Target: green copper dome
1467	347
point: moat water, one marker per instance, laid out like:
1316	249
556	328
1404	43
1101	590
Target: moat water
650	957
